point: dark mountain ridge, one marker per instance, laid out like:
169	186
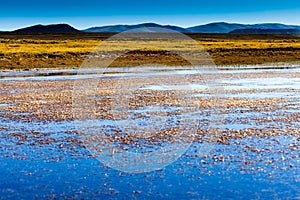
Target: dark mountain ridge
223	27
53	28
145	27
217	27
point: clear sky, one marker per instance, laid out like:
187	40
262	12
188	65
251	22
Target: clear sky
86	13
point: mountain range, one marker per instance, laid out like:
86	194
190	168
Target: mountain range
217	27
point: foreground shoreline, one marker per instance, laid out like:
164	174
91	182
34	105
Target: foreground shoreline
48	70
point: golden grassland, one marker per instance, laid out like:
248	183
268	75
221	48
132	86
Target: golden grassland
25	53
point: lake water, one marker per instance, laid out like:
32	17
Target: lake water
251	166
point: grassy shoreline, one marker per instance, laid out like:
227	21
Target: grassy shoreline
65	51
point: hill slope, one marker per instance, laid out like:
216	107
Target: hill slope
146	27
265	31
53	28
222	27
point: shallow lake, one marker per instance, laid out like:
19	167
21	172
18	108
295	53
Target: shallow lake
255	154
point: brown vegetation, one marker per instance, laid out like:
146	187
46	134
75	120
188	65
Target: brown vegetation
26	51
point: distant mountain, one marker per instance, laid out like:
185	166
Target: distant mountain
222	27
146	27
217	27
53	28
265	31
273	26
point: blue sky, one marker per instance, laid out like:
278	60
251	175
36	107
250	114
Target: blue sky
85	13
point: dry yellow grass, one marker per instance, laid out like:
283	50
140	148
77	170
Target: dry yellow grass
46	46
33	53
246	44
86	46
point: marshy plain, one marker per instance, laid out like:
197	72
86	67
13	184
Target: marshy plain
152	131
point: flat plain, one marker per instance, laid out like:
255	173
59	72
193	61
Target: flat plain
28	51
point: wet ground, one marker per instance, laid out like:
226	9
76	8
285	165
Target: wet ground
64	135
